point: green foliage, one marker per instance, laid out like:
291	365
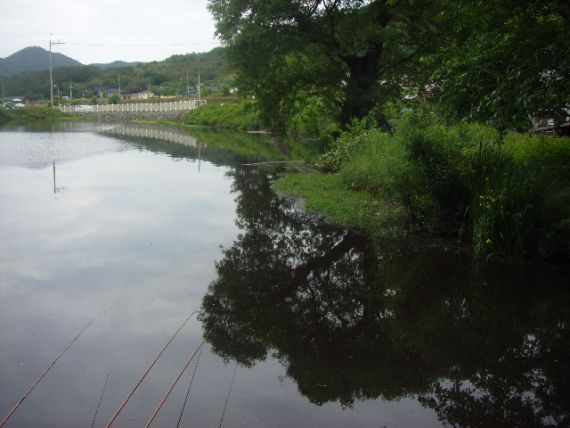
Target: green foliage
4	116
166	77
342	147
539	192
509	194
313	117
114	99
326	194
241	114
504	60
30	114
351	53
381	167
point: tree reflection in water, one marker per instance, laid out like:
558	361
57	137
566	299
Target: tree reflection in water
352	320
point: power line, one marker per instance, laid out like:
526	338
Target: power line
142	45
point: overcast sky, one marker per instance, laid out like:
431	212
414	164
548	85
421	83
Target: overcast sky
108	30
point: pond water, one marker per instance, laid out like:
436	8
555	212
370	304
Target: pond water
306	325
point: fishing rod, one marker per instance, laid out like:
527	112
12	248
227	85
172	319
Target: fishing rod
150	421
122	406
189	387
228	395
38	380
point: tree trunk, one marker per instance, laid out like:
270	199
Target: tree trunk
361	85
360	91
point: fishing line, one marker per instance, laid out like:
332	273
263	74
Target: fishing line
228	396
175	382
100	400
29	391
122	406
189	387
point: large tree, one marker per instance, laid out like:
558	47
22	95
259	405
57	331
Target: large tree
351	52
502	61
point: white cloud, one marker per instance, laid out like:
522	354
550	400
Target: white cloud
108	30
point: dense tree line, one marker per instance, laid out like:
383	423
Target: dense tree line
498	61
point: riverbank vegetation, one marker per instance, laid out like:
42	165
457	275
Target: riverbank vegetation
31	114
425	105
238	114
507	193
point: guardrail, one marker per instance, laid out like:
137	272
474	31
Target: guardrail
170	106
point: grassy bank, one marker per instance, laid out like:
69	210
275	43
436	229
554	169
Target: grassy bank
507	194
240	114
327	195
31	114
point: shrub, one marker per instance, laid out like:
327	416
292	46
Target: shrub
510	194
342	147
4	116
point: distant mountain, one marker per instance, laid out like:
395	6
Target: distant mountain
169	77
33	58
115	64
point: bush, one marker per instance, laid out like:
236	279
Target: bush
342	148
510	194
4	116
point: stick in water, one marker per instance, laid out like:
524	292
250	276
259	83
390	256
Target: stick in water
29	391
122	406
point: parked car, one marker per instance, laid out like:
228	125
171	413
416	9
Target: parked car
14	104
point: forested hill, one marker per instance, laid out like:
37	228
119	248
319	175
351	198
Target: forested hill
168	77
33	58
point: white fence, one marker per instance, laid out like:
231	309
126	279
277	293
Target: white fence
182	105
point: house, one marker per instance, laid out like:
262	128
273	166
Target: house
100	92
144	95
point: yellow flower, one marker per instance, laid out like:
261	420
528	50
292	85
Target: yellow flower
488	241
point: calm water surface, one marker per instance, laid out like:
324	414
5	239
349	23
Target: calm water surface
320	326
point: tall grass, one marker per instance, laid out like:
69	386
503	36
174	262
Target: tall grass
241	114
509	193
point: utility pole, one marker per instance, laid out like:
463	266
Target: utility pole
52	43
187	83
70	91
199	87
119	82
